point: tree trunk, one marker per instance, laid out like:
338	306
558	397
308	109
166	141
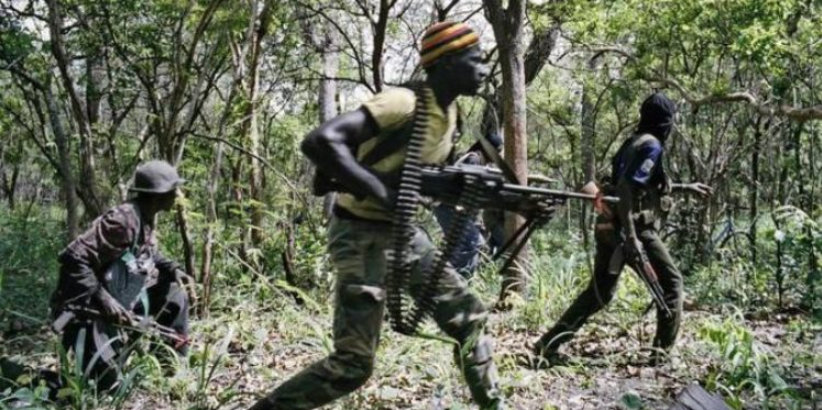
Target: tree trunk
10	185
588	137
782	198
508	24
380	26
64	154
188	246
10	181
814	276
540	49
251	126
255	169
88	179
211	194
588	148
754	199
211	222
93	79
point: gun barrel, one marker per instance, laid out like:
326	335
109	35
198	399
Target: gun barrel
554	192
659	299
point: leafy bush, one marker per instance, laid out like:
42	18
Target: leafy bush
743	364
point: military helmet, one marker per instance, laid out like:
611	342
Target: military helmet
156	177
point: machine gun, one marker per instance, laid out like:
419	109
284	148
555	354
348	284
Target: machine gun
472	188
447	183
493	191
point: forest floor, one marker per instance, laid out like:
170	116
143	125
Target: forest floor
256	336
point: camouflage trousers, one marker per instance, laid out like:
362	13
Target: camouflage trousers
601	290
358	252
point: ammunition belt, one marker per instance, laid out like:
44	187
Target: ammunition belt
405	311
399	273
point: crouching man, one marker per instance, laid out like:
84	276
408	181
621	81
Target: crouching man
115	284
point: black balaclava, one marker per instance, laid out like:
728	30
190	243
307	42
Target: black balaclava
656	116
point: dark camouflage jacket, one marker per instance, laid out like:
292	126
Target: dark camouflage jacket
85	260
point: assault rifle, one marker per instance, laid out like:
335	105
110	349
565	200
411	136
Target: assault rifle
637	258
639	262
143	324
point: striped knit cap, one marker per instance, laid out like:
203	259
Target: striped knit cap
445	38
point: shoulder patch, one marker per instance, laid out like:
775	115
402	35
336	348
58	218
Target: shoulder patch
647	166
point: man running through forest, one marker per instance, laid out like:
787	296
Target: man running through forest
640	182
122	238
360	229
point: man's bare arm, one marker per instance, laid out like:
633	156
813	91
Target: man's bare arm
698	188
330	144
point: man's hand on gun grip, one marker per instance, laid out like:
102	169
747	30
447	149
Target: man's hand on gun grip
600	206
633	247
112	309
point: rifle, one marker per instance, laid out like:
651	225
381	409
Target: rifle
143	324
447	183
125	281
638	260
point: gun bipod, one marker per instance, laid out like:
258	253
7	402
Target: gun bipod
520	238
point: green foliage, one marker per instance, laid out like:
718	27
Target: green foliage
787	241
631	401
743	365
15	43
29	242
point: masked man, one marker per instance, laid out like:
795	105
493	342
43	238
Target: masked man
640	182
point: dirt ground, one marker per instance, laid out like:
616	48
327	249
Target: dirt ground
608	367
